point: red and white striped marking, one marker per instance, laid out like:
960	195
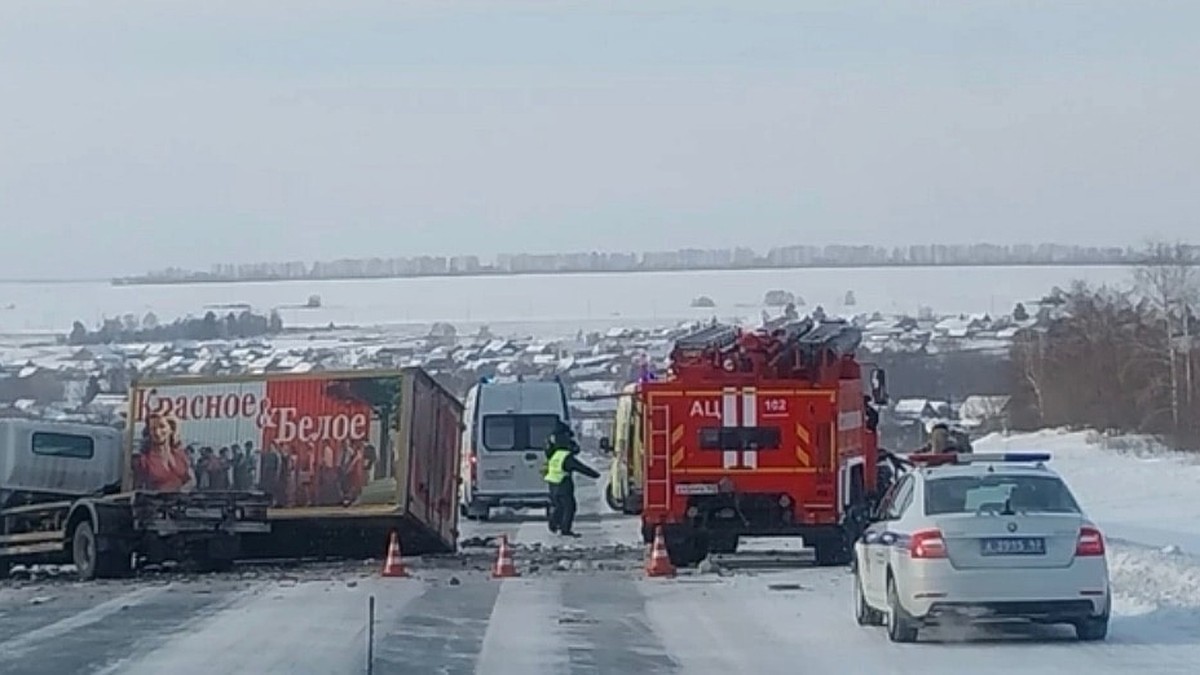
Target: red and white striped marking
733	459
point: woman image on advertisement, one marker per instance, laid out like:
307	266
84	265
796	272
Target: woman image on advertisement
163	464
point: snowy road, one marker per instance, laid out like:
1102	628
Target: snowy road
585	609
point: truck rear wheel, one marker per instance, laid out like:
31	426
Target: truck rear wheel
686	548
93	563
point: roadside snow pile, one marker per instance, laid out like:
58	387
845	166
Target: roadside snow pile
1145	580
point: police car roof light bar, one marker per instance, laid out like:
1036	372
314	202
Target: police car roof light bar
940	458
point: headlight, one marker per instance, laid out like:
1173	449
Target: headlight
725	485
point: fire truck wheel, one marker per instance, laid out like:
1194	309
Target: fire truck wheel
832	552
686	549
723	543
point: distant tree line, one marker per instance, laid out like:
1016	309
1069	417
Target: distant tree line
1114	359
128	328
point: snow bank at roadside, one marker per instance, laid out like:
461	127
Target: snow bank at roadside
1145	579
1146	498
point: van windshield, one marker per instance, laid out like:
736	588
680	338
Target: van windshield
517	432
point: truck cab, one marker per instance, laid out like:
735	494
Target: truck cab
42	462
504	444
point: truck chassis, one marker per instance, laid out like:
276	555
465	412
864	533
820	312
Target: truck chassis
108	536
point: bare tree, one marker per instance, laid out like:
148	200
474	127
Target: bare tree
1169	277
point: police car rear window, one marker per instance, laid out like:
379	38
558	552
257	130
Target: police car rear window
1000	493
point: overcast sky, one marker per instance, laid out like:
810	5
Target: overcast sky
137	135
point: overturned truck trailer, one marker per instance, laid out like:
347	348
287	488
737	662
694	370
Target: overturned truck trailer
345	457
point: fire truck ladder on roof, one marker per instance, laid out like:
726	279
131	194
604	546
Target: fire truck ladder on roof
658	454
716	336
837	336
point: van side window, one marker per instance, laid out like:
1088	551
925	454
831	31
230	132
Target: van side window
63	445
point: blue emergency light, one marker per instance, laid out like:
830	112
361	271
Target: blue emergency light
939	458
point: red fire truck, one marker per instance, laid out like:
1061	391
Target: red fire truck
765	432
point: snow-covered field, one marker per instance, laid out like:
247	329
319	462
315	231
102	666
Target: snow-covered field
564	302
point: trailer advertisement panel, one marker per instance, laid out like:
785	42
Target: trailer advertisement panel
312	441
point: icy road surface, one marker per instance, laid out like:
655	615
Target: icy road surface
584	609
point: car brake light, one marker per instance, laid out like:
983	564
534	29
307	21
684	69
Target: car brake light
1091	542
927	545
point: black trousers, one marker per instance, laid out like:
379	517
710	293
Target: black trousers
562	507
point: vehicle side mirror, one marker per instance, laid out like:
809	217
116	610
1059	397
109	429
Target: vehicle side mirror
879	393
606	445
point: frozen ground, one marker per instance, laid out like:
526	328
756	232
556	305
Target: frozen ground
584	607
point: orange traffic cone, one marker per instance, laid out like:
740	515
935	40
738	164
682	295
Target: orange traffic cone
505	567
394	565
659	563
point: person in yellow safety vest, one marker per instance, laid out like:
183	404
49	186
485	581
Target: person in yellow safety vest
560	466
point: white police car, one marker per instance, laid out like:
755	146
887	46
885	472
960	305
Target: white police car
981	537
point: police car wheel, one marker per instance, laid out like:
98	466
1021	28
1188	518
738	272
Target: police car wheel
900	627
864	614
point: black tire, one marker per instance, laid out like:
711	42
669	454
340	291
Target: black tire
90	563
5	568
614	504
1092	629
215	565
864	614
686	550
901	628
832	552
723	543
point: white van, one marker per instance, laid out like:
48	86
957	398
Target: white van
504	444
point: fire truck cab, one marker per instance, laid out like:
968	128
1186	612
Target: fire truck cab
760	433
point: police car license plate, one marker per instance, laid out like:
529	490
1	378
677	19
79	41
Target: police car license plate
1013	546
